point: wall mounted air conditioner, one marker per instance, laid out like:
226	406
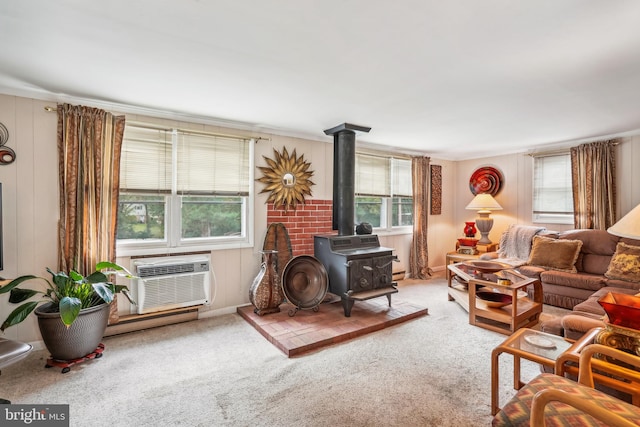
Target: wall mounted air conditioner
171	282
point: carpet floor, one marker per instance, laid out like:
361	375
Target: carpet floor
434	370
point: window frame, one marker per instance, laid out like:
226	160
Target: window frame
386	195
173	242
549	217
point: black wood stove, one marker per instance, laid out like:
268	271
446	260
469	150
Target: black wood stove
357	266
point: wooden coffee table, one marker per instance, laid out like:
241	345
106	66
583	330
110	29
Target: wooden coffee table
521	313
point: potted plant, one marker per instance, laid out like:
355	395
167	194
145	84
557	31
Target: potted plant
74	311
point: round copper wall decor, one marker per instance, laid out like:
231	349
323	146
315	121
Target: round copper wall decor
486	179
305	282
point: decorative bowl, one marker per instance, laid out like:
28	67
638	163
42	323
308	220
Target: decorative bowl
494	299
468	242
623	310
487	266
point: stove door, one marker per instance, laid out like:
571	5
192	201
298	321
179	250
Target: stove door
382	271
361	274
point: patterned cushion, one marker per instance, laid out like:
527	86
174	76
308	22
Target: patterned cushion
517	411
625	263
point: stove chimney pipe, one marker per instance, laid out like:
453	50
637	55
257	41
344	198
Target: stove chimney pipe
344	164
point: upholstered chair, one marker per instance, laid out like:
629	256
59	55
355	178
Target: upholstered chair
552	400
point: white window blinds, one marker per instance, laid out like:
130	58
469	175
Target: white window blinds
401	182
382	176
552	185
212	165
145	163
204	164
372	176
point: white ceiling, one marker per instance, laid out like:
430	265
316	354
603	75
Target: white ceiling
455	79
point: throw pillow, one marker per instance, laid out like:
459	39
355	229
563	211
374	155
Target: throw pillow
625	263
555	254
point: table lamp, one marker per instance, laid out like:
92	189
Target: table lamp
628	226
484	203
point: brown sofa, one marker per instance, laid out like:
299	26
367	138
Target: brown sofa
568	289
577	287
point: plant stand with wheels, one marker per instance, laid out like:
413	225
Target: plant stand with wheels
67	364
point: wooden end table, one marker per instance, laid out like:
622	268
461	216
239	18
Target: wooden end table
528	344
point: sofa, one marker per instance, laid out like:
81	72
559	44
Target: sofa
577	267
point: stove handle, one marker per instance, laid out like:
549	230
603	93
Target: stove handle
364	267
395	259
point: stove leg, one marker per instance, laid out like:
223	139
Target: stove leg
389	298
347	304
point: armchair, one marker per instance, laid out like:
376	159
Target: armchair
552	400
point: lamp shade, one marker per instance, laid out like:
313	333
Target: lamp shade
484	202
628	226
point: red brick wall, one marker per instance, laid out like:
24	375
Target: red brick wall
303	223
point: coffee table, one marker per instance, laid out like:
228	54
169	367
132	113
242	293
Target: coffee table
522	312
528	344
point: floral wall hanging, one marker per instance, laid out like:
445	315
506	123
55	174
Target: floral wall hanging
287	178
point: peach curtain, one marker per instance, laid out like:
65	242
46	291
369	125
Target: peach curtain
89	143
594	186
419	253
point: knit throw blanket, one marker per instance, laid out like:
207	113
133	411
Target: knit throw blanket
515	243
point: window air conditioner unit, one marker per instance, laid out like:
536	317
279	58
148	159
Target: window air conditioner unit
172	282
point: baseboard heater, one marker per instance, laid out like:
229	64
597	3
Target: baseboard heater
137	322
171	282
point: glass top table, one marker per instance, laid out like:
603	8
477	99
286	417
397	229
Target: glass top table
528	344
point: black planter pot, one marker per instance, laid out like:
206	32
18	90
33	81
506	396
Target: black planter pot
76	341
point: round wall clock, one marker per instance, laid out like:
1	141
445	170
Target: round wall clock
486	179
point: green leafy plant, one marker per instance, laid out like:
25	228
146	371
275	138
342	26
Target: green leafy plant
67	293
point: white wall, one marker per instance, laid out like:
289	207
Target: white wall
516	195
30	198
30	202
31	209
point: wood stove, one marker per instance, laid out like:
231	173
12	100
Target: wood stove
357	266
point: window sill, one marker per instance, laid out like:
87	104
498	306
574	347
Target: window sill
128	251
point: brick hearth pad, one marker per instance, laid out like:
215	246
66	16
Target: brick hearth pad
308	330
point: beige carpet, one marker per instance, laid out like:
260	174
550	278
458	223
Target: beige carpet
431	371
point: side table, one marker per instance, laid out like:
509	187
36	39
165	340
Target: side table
568	363
528	344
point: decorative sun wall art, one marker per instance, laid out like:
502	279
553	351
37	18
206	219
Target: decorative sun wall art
287	178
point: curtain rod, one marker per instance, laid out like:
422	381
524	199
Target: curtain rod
189	131
566	150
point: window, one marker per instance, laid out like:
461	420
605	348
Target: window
182	188
552	194
383	192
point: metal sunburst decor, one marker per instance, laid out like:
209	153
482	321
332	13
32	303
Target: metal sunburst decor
287	178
